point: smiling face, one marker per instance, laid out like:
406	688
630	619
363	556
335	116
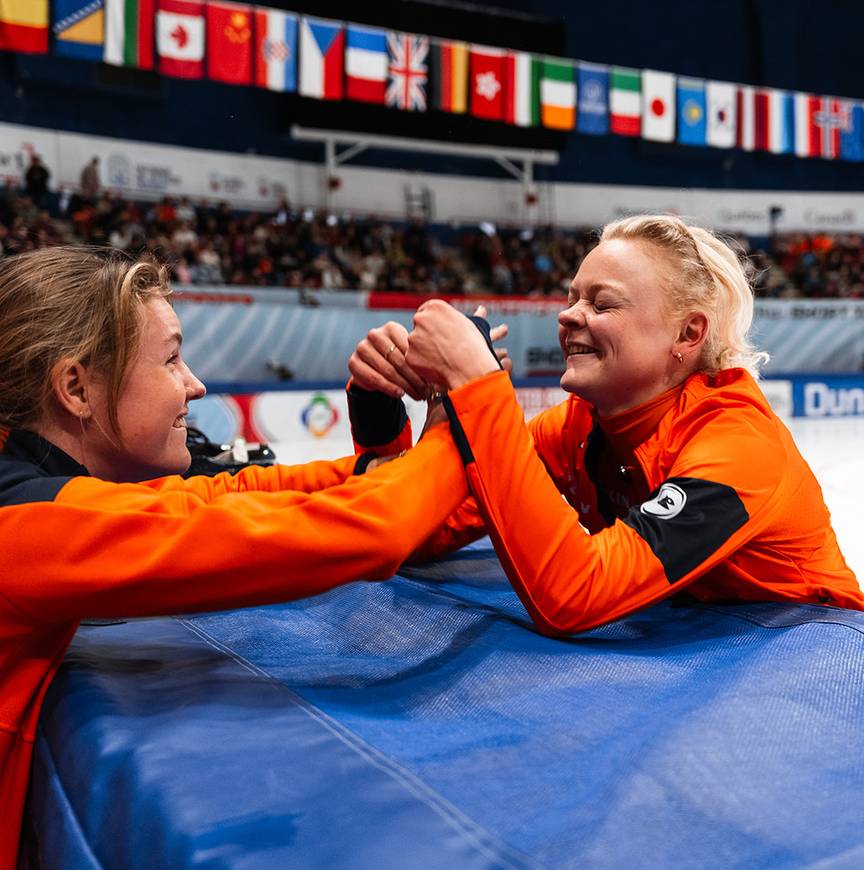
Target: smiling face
617	336
152	406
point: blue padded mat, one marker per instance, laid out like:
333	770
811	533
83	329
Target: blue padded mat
423	723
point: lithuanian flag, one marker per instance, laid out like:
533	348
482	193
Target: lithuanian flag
24	25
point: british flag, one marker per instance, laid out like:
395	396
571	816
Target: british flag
408	74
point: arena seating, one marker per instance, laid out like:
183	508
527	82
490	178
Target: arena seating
209	243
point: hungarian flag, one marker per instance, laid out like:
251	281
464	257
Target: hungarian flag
720	106
819	122
229	43
366	64
129	33
276	50
521	89
486	77
658	106
558	94
322	46
625	101
24	26
448	76
180	38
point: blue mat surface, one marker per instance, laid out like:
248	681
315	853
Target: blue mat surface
423	723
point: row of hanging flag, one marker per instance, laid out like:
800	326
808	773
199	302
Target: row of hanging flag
243	44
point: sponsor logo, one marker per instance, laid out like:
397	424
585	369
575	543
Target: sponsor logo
544	360
119	171
820	400
320	415
668	503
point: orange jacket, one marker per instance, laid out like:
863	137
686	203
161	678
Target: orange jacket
702	488
74	546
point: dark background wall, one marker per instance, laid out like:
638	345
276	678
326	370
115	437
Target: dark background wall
795	44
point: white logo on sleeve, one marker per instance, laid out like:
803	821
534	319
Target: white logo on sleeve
668	503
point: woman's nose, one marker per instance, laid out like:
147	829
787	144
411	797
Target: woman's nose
195	389
572	315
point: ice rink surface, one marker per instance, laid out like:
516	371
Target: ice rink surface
835	450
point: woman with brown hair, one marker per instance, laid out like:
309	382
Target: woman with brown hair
675	472
94	520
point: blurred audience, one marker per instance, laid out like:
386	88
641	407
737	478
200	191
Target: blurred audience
210	243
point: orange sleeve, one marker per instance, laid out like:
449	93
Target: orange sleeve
105	549
569	580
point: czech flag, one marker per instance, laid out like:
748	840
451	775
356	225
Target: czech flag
276	50
366	63
322	46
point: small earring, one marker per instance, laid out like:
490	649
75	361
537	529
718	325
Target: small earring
679	356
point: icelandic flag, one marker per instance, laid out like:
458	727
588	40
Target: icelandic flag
275	50
592	115
692	112
321	50
366	64
852	136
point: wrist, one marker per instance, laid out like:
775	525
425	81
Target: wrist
457	379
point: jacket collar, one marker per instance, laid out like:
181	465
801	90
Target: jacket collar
30	447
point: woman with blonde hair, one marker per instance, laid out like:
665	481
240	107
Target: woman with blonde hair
94	520
676	474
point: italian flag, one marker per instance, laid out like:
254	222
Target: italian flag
625	101
521	85
129	33
558	94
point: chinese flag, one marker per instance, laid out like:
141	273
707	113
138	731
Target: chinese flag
486	82
229	43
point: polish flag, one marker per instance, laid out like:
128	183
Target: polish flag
180	38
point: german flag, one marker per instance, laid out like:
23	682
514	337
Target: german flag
448	76
24	26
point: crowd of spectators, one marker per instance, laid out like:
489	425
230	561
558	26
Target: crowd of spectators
210	243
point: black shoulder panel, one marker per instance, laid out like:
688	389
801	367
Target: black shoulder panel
686	520
20	485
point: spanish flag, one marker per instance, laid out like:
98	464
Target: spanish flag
24	25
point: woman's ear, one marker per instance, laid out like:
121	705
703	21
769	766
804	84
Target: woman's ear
70	384
694	331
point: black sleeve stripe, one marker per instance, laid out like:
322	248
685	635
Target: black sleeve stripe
376	418
458	432
486	331
686	520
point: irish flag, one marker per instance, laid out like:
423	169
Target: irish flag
558	93
625	101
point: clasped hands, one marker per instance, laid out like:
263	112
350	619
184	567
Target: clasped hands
444	351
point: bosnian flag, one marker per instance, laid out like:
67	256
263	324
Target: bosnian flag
180	38
366	63
275	50
321	47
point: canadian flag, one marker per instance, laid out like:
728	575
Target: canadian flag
180	38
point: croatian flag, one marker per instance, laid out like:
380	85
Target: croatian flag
275	50
321	50
366	63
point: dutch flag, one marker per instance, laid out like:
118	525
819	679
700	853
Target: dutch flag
366	64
